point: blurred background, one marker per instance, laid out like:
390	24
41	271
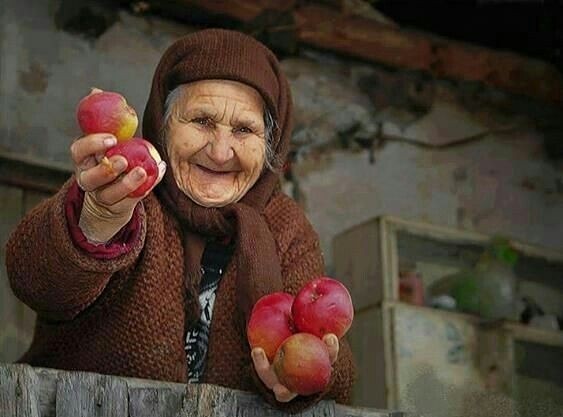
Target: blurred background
427	153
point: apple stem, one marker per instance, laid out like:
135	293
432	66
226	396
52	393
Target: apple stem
107	164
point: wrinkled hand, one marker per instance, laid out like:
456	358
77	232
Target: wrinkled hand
267	375
107	205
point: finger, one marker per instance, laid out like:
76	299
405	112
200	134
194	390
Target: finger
282	394
263	368
83	151
100	175
333	346
119	190
161	171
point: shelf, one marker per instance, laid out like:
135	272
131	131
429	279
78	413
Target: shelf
534	334
411	352
518	331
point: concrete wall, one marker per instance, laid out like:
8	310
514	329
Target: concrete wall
45	72
499	182
449	153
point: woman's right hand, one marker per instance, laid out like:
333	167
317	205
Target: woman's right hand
107	206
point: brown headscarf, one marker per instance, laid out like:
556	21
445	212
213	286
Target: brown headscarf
229	55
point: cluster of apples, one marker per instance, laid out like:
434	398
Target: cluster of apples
108	112
290	330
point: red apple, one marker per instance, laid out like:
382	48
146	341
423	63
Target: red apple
323	306
270	322
302	364
279	300
139	153
107	112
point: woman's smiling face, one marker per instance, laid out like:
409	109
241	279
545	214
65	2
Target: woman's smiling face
216	141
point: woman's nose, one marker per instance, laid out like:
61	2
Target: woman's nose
220	150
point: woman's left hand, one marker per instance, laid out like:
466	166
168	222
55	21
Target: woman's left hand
265	369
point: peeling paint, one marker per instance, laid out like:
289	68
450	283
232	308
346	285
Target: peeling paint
34	80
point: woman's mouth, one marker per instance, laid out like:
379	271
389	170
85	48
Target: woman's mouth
212	172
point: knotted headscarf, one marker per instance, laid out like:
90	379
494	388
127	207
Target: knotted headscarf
228	55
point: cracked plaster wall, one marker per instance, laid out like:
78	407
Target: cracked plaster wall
454	154
368	140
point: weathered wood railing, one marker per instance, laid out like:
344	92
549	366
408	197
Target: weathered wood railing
40	392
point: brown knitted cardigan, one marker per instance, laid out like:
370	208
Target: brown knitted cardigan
125	316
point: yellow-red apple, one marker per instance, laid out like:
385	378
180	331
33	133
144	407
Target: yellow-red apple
302	364
107	112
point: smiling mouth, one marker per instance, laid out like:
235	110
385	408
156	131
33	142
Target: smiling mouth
213	172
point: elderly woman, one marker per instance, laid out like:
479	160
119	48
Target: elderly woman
161	287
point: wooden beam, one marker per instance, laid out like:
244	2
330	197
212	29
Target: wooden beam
370	40
358	37
31	174
42	392
240	10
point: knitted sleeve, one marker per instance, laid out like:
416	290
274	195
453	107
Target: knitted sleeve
120	244
302	262
49	272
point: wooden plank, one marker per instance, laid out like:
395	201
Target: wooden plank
23	317
150	402
446	233
208	400
12	343
55	393
434	231
18	391
496	359
442	58
83	394
47	391
203	400
29	173
367	344
345	411
360	274
534	335
250	405
242	10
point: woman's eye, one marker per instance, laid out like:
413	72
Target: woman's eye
244	129
202	121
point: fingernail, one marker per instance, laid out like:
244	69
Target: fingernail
110	141
119	165
258	354
138	174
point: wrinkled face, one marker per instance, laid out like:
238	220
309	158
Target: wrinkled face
216	142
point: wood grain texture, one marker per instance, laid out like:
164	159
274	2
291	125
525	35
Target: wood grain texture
149	402
82	394
18	391
40	392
